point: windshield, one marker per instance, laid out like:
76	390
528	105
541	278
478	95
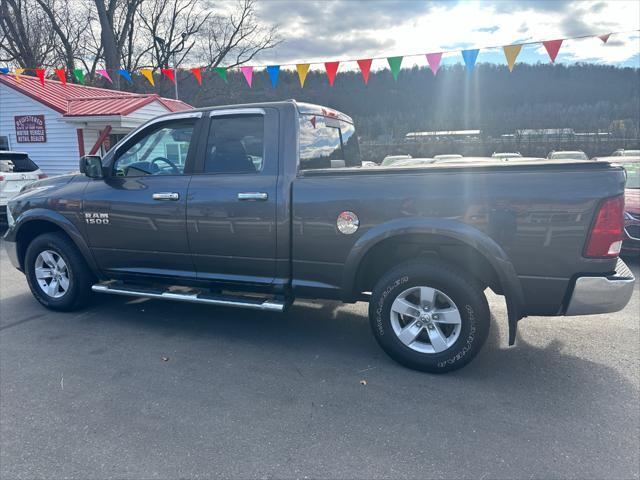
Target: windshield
327	142
633	175
569	156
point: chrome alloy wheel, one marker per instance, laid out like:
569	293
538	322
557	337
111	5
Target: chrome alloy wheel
425	319
52	273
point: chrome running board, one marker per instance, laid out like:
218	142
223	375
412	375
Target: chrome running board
272	305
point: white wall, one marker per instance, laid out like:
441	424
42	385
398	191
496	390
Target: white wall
59	154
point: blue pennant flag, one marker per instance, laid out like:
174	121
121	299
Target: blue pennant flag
470	57
4	70
125	74
273	71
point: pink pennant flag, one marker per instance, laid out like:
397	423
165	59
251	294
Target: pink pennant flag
604	38
105	74
332	69
434	61
552	46
248	74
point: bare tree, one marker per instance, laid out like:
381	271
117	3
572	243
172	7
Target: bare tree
235	38
28	39
170	26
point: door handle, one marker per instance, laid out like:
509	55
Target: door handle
262	196
166	196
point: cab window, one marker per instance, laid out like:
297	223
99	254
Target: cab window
163	151
235	144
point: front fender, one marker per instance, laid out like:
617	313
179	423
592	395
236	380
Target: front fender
478	240
41	214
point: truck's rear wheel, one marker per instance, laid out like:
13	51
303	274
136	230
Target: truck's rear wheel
429	316
57	274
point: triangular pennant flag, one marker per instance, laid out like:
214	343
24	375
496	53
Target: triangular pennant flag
394	65
126	75
313	121
62	76
222	71
273	71
40	73
105	74
169	73
79	74
433	59
248	74
4	70
511	52
303	69
604	38
17	72
470	57
332	69
148	74
198	74
552	47
365	68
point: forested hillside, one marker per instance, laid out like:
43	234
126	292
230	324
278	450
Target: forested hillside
583	97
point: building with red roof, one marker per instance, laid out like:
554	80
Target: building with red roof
56	124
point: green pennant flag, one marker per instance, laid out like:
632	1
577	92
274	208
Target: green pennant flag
394	64
222	71
79	74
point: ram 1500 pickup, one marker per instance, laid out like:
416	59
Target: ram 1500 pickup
255	205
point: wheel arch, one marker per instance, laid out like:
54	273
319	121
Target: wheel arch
36	222
450	240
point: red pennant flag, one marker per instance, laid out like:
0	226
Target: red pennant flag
61	75
604	38
365	66
169	73
198	74
313	121
552	47
332	69
40	73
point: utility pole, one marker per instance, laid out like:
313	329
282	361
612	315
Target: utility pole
175	72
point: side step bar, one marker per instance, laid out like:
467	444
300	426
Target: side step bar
272	305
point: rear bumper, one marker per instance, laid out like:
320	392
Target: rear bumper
593	295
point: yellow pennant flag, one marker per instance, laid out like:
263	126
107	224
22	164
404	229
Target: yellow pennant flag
511	52
303	69
17	72
148	73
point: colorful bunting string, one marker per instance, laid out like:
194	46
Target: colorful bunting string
470	56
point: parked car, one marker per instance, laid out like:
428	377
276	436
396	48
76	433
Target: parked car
626	153
506	155
447	157
16	171
420	245
391	159
631	164
412	162
567	155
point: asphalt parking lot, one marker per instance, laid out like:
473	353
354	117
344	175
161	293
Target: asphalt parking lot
152	389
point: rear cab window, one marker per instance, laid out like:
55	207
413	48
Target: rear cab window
327	141
17	162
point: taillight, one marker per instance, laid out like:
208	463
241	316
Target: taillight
1	178
607	233
41	176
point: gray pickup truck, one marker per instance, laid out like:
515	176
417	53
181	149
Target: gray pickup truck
254	205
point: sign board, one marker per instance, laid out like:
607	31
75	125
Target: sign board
30	129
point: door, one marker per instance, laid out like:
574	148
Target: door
135	218
231	208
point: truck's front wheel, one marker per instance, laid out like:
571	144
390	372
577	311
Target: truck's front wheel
57	273
429	316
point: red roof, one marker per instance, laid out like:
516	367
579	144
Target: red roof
78	100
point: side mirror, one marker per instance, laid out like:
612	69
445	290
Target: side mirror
91	166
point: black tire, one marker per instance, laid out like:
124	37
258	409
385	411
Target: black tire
80	277
464	291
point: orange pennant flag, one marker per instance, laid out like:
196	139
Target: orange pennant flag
148	74
511	52
303	69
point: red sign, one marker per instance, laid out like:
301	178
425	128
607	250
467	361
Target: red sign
30	129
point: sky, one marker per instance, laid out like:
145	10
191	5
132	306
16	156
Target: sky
325	30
